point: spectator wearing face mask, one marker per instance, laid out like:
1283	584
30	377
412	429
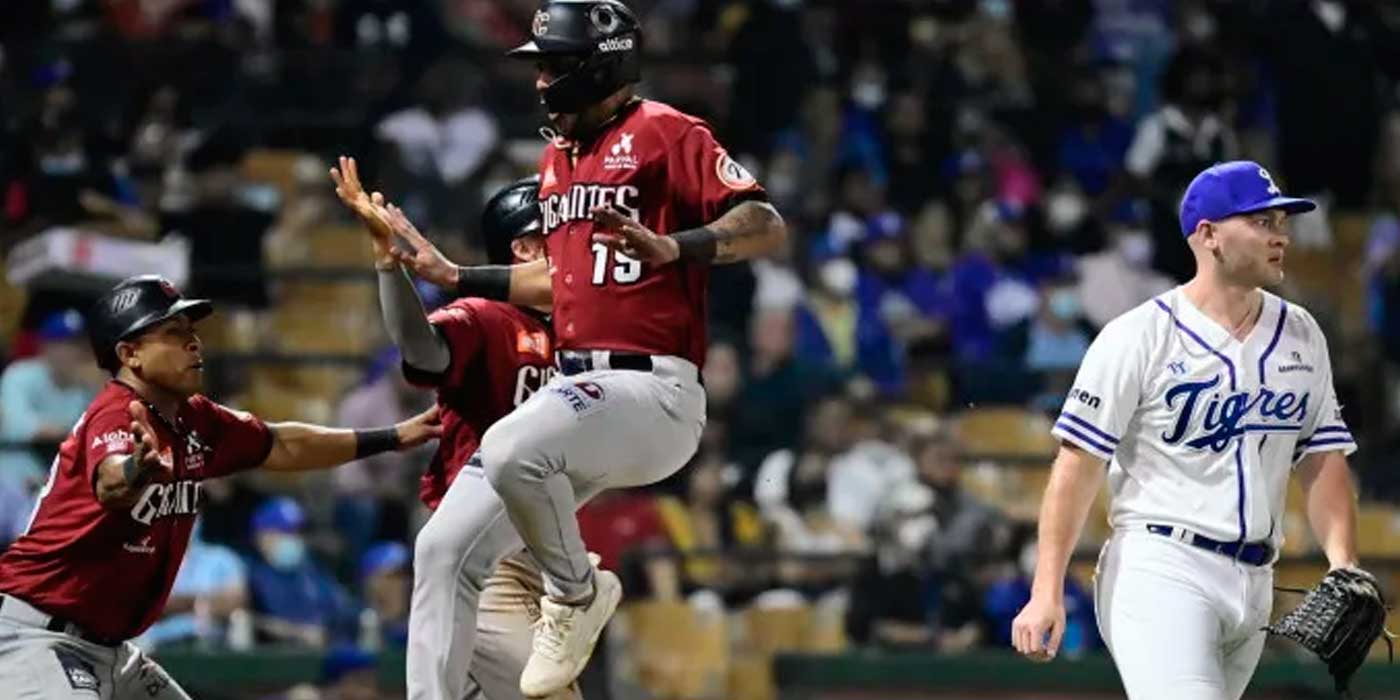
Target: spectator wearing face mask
1120	277
1053	342
295	599
835	332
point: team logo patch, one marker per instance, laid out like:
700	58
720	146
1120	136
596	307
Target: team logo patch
532	343
620	156
81	675
124	300
1297	364
732	174
142	547
540	25
1272	188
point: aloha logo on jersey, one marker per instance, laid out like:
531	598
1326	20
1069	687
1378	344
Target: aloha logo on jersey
530	379
162	500
114	441
1226	418
620	156
581	198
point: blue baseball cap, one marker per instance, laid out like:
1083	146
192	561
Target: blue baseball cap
60	326
1237	187
281	514
383	556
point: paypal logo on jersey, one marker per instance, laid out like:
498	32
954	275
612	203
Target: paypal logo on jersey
1229	416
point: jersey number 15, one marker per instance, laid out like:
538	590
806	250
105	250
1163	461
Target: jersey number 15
625	270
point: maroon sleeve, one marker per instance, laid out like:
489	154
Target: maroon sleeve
107	433
237	441
460	325
706	180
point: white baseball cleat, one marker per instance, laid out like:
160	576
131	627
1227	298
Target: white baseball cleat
565	636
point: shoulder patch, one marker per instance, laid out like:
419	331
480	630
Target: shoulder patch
734	175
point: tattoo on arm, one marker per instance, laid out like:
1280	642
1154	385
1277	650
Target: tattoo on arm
745	231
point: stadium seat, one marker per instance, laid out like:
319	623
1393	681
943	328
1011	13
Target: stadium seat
1005	432
679	653
1378	531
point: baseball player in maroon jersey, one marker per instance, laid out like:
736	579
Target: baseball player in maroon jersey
110	529
638	199
483	358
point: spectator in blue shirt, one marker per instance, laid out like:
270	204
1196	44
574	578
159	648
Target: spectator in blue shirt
212	583
42	397
295	599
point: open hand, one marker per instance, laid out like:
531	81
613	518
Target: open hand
367	207
629	237
419	429
424	259
151	459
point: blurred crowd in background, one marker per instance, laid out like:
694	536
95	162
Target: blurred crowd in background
973	188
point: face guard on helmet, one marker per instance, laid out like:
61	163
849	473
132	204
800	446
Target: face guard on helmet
590	48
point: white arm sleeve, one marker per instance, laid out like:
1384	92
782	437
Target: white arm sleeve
1106	390
1323	428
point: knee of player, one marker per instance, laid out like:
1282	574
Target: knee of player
437	547
512	461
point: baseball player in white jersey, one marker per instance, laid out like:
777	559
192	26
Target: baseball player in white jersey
1202	402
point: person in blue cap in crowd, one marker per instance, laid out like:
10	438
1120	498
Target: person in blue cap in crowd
385	584
42	397
294	597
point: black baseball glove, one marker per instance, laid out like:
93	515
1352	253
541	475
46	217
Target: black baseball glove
1339	620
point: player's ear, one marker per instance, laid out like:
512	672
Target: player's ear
126	355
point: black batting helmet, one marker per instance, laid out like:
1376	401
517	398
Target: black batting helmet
603	34
134	305
511	213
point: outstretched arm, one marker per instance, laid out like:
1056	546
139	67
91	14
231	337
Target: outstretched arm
404	318
526	284
306	447
749	230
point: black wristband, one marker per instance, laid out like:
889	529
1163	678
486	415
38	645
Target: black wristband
697	243
372	442
484	281
133	473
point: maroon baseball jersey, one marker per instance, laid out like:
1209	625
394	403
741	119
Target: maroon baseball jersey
663	168
109	570
501	355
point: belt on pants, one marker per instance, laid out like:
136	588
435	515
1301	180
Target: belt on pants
1252	553
573	362
18	611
